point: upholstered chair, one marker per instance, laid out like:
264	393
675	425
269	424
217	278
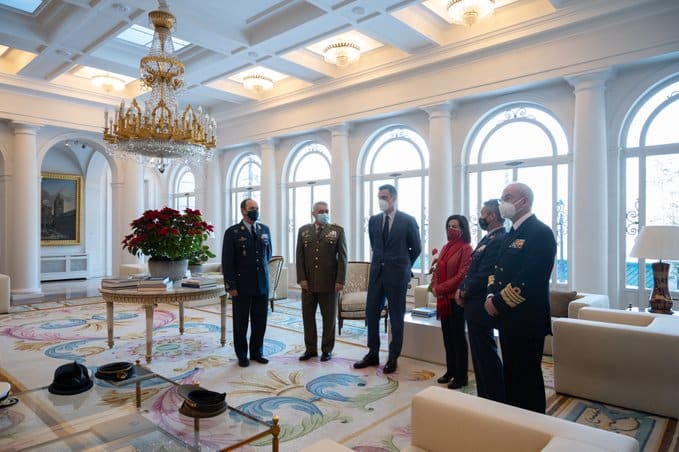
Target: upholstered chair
275	269
352	300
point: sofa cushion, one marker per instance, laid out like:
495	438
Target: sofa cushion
560	444
559	300
354	301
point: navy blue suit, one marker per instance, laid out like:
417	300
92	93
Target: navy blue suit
245	265
520	288
390	273
480	325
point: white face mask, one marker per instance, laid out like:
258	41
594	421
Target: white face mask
507	210
384	204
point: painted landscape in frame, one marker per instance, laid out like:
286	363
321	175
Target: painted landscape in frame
60	209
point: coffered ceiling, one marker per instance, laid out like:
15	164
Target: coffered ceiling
55	50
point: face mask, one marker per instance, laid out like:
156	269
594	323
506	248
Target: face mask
507	210
253	214
483	223
454	234
323	218
384	205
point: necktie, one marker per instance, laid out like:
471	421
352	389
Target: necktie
385	229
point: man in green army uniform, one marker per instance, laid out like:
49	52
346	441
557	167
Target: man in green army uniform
321	272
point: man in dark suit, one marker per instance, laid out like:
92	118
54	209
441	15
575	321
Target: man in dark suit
395	244
518	295
246	252
321	272
472	294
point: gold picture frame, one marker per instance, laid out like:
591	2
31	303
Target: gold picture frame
60	209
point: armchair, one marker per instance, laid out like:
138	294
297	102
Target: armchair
623	358
352	299
275	268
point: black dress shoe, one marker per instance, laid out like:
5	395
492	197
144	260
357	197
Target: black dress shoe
244	362
261	360
367	361
445	378
326	356
307	355
390	367
457	383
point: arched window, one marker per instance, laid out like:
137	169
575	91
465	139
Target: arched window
650	155
185	190
308	182
397	156
245	183
523	143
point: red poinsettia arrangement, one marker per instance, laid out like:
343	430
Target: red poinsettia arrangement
168	235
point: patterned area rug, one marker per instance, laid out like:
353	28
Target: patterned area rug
365	410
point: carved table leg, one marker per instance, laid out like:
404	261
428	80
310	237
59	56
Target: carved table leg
181	317
109	322
149	332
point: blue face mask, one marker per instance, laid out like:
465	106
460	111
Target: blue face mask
323	218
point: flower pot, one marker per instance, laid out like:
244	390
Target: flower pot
196	269
175	270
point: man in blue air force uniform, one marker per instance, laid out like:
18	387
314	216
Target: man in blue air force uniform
518	295
472	294
246	252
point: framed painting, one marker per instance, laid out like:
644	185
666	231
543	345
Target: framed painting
60	209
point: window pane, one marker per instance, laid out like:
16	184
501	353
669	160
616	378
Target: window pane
404	137
248	172
186	183
539	179
631	220
642	114
410	202
516	141
663	129
302	212
562	224
322	193
397	156
662	189
312	167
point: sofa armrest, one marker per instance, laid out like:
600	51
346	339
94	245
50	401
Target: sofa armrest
423	298
585	300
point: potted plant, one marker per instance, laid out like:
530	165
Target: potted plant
169	238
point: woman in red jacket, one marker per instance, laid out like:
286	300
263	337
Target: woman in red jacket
451	269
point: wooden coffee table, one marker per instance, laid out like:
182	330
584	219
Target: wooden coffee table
149	300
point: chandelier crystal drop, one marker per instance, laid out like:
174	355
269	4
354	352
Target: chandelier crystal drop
159	131
467	12
342	53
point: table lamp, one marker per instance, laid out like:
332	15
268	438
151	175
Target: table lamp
658	242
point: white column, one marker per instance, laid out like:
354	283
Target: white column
441	181
589	219
25	217
130	204
340	183
270	202
212	195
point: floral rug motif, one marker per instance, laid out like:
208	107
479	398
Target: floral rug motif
363	409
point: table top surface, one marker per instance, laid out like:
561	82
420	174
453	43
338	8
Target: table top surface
45	421
176	294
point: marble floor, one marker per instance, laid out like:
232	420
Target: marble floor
60	290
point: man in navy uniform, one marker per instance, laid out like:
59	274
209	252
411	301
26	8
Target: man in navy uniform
472	294
518	295
321	273
395	243
246	252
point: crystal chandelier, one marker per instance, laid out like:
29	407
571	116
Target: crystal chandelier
342	53
159	132
467	12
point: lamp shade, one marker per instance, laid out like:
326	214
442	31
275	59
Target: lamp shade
657	242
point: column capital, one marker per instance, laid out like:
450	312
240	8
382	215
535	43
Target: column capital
440	110
339	129
267	143
25	128
589	80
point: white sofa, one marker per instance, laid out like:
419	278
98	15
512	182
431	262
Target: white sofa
573	303
5	293
628	359
445	420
